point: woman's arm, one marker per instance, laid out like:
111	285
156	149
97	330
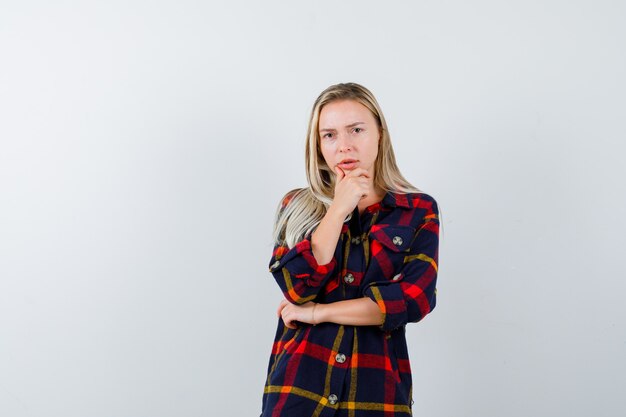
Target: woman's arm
355	312
325	237
296	269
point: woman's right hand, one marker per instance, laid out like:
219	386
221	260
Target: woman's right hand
350	189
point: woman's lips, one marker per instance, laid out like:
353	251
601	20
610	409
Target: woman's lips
348	165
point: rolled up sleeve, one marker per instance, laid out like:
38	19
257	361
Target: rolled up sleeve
411	294
297	272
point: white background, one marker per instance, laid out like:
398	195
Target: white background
144	147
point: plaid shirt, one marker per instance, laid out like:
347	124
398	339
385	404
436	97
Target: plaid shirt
389	254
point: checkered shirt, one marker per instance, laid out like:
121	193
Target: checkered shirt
388	253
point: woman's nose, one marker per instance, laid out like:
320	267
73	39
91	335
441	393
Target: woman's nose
345	143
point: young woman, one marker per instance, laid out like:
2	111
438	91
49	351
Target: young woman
356	258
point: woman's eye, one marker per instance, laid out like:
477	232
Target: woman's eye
327	135
357	130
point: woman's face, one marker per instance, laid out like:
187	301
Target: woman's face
349	136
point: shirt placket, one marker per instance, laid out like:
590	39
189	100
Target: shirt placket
354	261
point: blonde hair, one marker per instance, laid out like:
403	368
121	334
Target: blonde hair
302	209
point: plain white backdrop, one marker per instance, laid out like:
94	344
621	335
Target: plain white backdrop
144	146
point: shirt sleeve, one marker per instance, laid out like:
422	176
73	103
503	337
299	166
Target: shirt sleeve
296	270
411	294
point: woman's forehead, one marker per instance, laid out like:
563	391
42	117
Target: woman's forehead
344	113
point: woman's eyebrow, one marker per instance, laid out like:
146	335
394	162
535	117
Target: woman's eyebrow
347	126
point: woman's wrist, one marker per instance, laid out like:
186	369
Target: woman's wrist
318	313
335	214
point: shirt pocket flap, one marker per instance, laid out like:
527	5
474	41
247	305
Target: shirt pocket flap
394	237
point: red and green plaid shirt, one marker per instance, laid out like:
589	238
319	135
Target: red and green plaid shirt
389	254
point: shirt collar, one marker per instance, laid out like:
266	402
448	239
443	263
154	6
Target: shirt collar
392	199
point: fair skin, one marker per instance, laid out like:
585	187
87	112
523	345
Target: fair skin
349	135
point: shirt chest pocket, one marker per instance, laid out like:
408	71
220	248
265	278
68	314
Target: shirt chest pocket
392	237
389	244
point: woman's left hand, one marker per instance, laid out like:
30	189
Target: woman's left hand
291	313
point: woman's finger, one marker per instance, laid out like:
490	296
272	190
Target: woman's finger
340	174
358	172
281	306
288	320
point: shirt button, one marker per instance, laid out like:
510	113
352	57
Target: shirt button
397	240
397	277
356	240
349	278
340	357
332	399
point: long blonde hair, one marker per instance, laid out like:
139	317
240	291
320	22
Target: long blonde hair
302	209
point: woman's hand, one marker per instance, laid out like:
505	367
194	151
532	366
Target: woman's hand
291	313
350	189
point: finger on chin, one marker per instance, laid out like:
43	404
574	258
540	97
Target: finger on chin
358	172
